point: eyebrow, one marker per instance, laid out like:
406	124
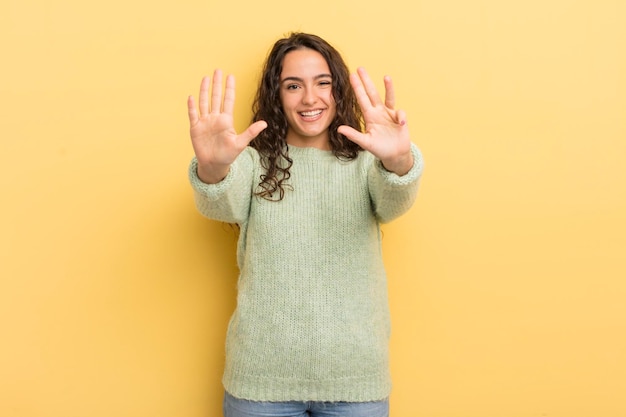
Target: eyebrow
297	79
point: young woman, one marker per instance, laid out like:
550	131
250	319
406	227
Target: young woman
308	188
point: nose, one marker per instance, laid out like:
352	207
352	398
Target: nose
308	96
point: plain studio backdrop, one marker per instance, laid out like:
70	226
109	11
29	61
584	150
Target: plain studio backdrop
507	279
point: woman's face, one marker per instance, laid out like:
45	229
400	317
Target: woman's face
307	98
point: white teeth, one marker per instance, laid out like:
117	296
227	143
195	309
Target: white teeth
311	113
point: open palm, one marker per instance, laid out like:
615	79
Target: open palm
211	127
386	133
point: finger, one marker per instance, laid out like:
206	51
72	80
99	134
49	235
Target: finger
229	95
353	135
191	111
390	96
397	116
253	131
401	118
360	93
216	92
370	88
204	96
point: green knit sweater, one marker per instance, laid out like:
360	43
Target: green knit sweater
312	316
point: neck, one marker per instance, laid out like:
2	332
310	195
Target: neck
320	142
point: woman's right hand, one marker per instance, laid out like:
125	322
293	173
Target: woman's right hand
213	136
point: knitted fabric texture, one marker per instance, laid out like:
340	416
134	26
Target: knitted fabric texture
312	316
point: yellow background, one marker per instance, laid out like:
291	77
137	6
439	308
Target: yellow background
507	279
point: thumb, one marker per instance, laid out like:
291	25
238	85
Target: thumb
352	134
253	131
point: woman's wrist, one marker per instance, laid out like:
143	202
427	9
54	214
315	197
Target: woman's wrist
211	173
399	165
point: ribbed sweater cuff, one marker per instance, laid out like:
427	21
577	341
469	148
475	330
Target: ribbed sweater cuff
211	191
414	173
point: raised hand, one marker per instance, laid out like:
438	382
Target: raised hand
213	136
386	133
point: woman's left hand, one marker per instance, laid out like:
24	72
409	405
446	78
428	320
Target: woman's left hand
386	133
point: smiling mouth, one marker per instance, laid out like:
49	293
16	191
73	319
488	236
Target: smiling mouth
312	113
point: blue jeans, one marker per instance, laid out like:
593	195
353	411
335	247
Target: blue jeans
235	407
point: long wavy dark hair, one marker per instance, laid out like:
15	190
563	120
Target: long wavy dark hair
271	142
